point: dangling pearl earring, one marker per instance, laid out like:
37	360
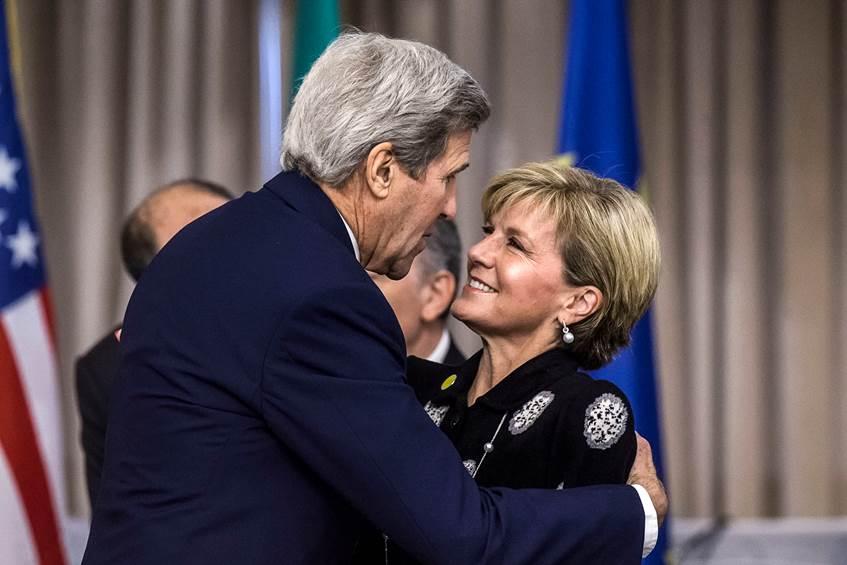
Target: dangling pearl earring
567	334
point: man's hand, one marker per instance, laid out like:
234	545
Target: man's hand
643	473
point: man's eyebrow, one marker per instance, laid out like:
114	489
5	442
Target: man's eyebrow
459	169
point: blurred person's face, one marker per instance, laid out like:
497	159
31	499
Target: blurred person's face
410	207
177	208
406	297
516	286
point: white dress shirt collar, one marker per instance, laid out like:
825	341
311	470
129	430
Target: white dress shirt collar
352	238
440	352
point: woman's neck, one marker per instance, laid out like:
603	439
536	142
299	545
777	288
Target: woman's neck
499	358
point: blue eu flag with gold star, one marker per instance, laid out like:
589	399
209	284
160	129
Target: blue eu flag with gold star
598	132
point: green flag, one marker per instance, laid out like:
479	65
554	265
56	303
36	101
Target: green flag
315	27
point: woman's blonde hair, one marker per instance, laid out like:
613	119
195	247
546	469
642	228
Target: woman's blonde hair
607	239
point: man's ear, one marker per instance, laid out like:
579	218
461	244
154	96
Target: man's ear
436	295
580	303
380	168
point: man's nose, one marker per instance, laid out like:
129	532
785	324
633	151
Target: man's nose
449	210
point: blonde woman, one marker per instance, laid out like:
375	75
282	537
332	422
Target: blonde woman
567	264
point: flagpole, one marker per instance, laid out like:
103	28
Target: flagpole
270	86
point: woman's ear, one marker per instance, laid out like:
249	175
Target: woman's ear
380	169
580	303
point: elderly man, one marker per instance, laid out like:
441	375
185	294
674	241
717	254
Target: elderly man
147	229
421	300
262	411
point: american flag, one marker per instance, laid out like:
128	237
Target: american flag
31	481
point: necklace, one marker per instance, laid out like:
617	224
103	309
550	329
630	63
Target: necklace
488	446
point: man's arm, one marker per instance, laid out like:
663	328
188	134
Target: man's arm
333	391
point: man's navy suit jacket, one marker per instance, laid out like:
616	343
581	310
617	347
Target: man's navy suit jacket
261	412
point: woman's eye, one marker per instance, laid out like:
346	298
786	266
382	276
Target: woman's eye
487	229
516	244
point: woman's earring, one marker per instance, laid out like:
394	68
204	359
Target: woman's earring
567	334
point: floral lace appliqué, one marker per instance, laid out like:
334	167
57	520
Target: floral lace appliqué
605	421
524	418
436	412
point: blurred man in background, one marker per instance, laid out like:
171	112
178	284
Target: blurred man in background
422	299
147	229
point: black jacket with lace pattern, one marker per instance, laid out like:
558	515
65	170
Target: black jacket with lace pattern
547	424
557	426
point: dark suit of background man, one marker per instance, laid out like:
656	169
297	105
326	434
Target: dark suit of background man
147	229
421	300
261	410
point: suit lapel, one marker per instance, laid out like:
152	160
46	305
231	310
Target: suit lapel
306	197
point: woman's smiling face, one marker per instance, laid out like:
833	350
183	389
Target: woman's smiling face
516	285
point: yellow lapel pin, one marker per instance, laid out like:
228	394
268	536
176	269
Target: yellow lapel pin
448	382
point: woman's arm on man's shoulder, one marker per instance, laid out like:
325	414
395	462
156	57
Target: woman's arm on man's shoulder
598	436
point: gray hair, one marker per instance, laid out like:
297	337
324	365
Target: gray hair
443	250
443	253
367	89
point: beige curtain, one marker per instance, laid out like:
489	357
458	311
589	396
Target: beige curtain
742	119
119	97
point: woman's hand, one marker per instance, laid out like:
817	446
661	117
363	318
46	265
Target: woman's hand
643	473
